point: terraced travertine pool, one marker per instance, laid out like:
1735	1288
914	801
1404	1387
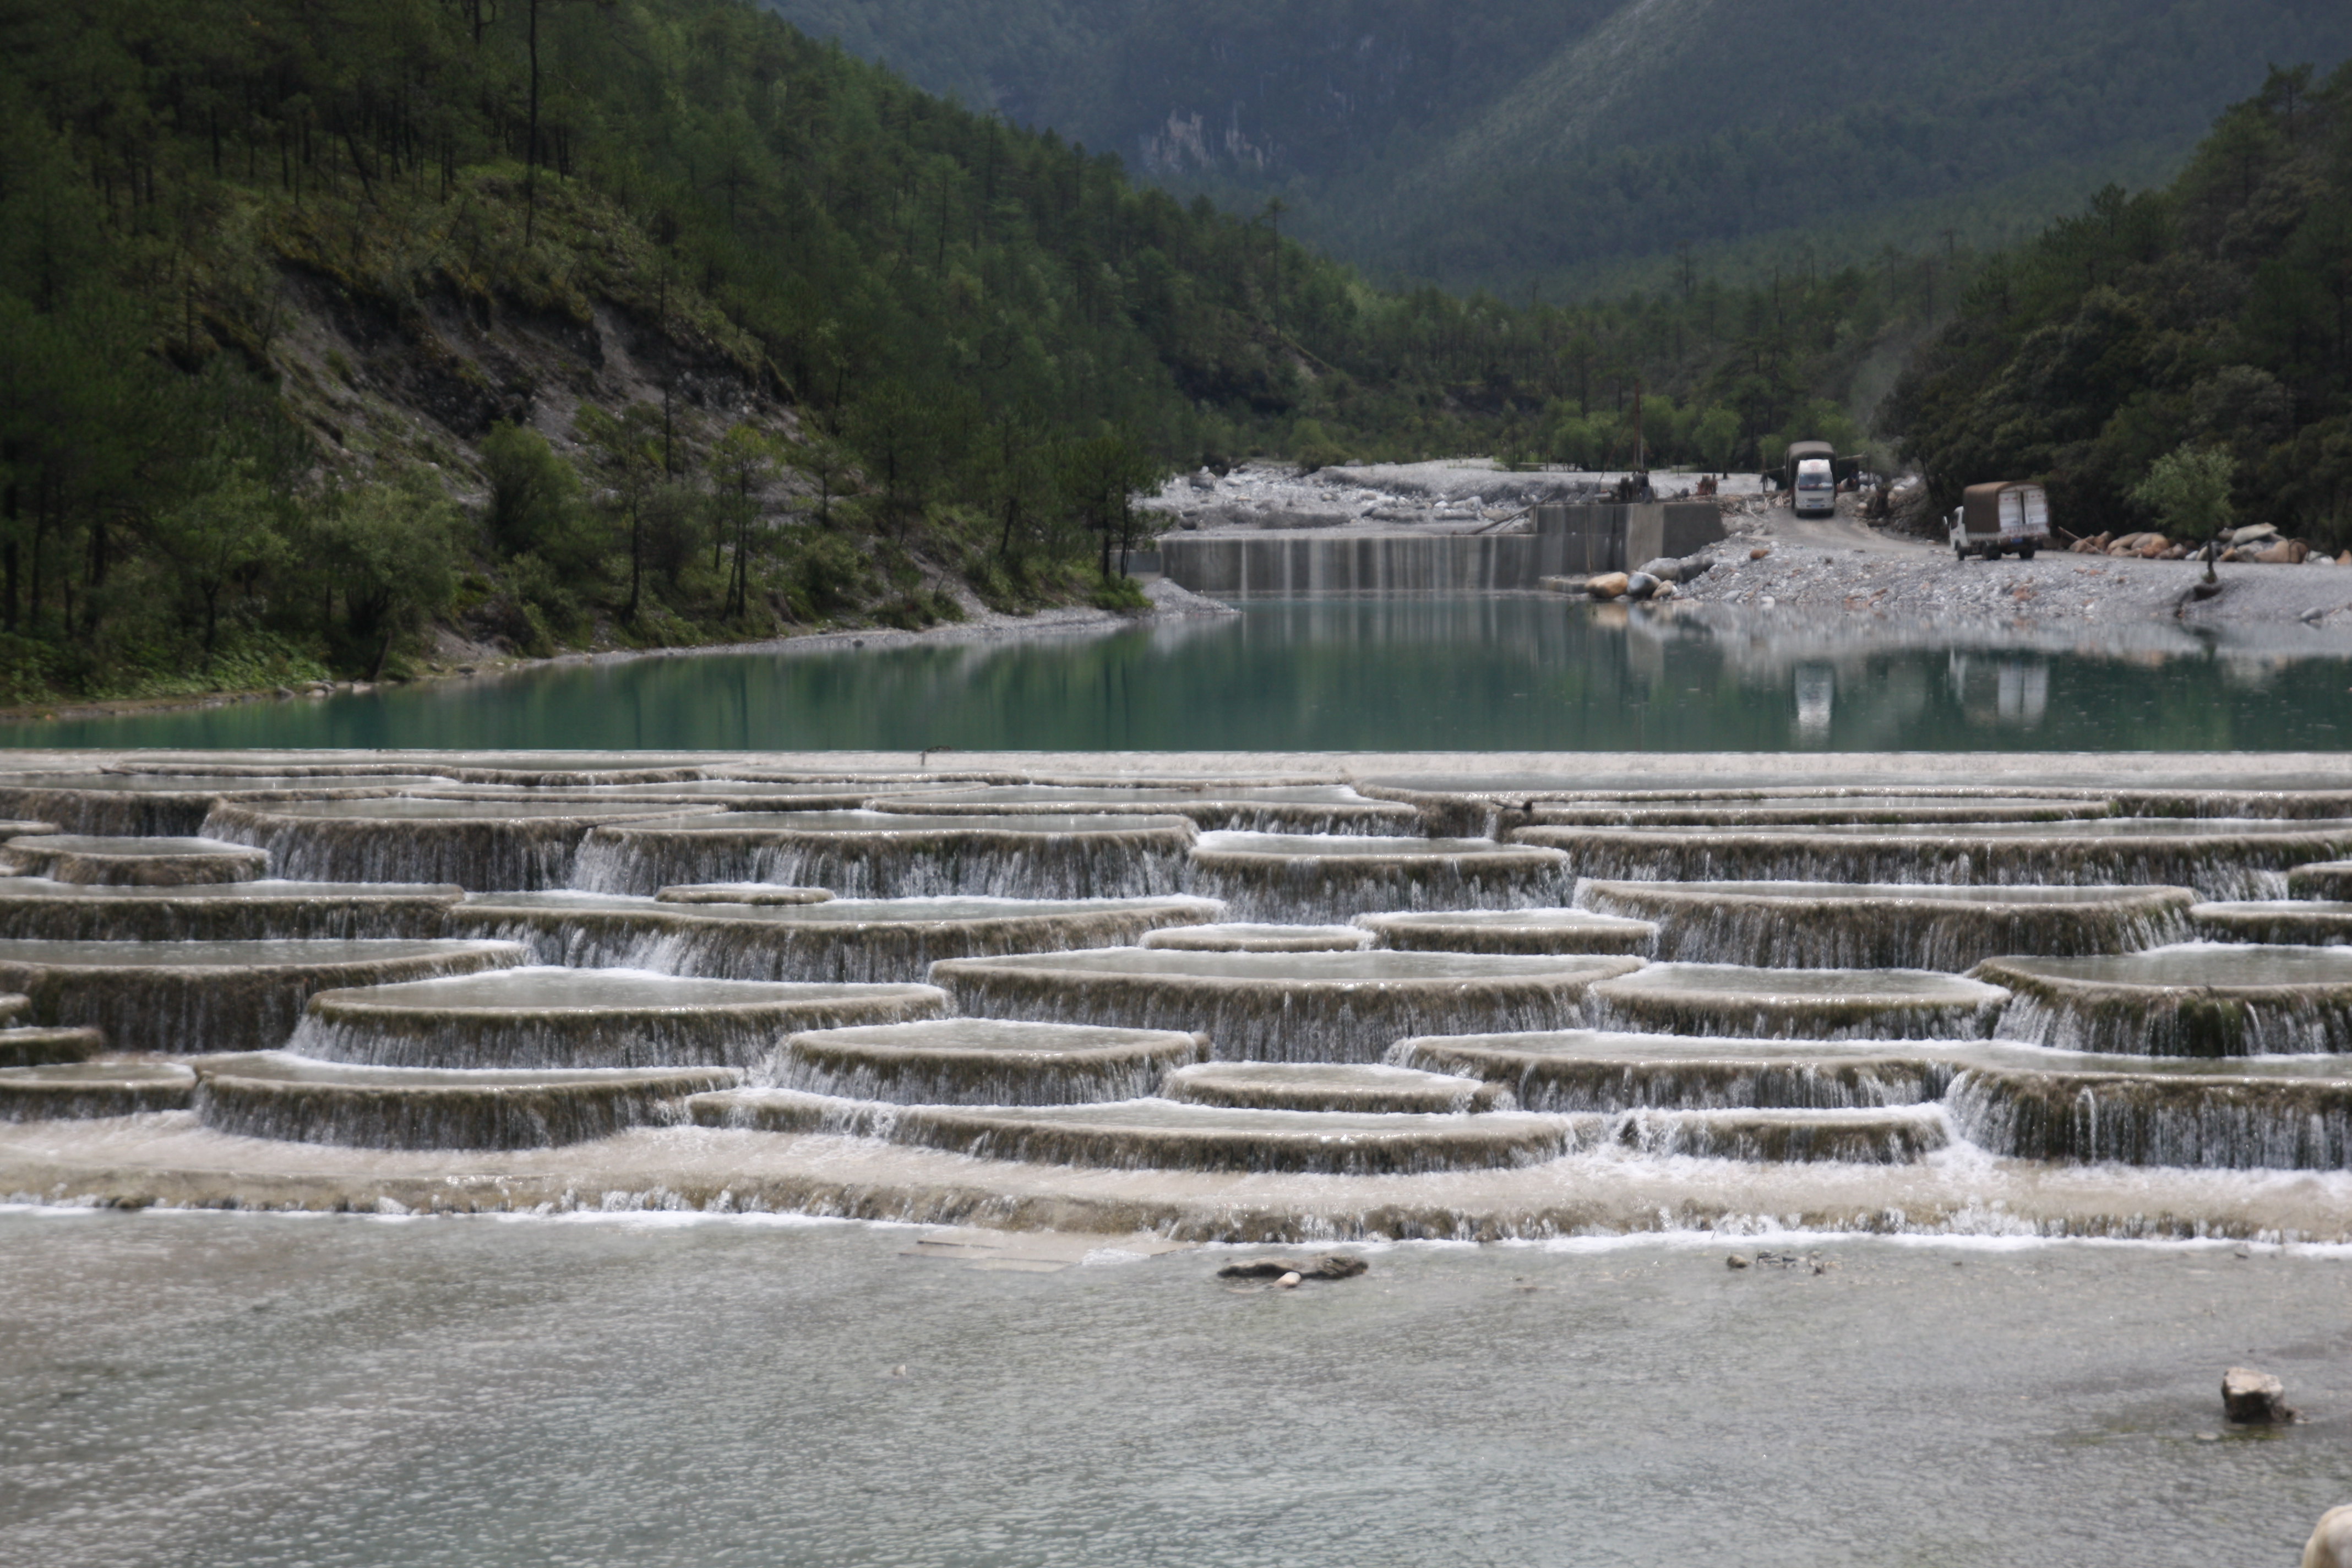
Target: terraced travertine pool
1611	1019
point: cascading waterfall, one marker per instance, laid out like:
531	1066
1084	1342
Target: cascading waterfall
1141	1135
1898	1137
877	855
2235	1122
191	999
1537	930
234	911
162	806
983	1061
33	1046
1319	809
1311	879
282	1097
83	860
1588	1070
523	846
1832	925
2283	922
1284	1008
83	1091
2198	999
1365	1088
2218	858
842	939
1798	1004
562	1018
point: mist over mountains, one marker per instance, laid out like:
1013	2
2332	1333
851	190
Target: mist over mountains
1568	144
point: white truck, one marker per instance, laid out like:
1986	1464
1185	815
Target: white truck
1816	488
2002	518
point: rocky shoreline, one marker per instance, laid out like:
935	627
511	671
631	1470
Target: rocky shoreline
456	660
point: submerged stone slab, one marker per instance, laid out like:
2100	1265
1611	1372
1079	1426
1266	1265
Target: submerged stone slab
228	911
275	1094
183	998
882	855
540	1017
1225	937
1846	925
475	844
97	861
1509	930
1597	1071
1290	1007
75	1091
1336	876
1900	1136
33	1046
1827	808
1148	1134
984	1061
837	940
2291	1114
741	893
1798	1004
2220	859
2196	999
1366	1088
1294	808
160	805
2293	922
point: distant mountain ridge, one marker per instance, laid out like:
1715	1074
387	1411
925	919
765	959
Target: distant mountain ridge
1566	143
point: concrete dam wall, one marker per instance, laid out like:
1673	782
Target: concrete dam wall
1566	540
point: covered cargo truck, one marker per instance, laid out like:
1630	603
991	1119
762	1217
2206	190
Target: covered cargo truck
1795	468
2002	518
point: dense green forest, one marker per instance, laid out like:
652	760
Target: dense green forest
1579	145
655	320
2205	328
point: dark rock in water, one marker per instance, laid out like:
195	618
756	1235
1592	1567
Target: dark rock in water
1330	1266
2253	1398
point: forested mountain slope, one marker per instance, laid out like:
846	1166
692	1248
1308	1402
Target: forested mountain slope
2181	358
1569	142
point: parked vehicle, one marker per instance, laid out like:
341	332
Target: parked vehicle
2001	518
1816	488
1815	461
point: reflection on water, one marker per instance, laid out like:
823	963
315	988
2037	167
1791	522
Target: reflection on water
215	1390
1493	673
2009	691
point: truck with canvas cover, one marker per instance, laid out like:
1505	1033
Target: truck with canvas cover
2002	518
1809	473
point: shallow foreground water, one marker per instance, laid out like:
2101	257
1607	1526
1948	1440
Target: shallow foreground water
1529	672
202	1389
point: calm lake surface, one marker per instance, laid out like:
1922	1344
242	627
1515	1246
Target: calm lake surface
261	1392
1529	673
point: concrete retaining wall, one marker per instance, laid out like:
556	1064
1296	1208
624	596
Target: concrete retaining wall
1567	540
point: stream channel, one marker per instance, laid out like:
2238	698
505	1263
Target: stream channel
222	1390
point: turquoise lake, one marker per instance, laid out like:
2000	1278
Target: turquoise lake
1497	673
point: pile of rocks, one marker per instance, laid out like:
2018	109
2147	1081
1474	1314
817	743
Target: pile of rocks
1656	579
2258	543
